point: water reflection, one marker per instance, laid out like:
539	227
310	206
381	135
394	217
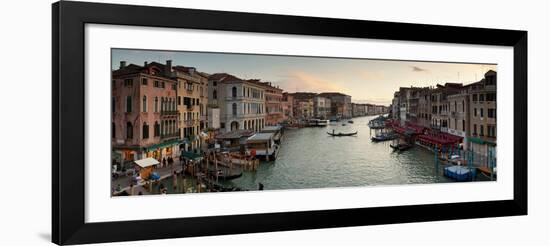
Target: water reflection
310	158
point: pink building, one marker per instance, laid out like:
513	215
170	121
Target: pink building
273	104
287	106
144	113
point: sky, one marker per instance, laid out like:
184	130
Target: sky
365	80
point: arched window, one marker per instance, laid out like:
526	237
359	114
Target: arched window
144	104
129	104
113	130
145	130
234	108
215	94
157	129
156	104
129	130
234	91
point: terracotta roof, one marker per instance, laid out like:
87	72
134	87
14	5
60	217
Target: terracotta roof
331	94
222	77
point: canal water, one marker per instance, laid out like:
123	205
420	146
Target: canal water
310	158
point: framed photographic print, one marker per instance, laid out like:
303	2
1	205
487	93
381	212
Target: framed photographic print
176	122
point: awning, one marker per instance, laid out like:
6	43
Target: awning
163	145
480	141
147	162
191	155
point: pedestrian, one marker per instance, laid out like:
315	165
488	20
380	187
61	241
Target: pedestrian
163	161
260	186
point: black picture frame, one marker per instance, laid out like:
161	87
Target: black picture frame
68	107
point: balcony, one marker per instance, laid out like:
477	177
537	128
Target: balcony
169	112
169	135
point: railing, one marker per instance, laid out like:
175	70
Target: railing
169	135
169	112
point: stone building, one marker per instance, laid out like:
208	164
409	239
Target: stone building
303	108
273	104
241	102
459	115
340	104
143	112
321	107
287	106
440	104
191	100
483	115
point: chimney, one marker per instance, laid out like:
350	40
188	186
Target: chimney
145	64
168	68
191	70
122	64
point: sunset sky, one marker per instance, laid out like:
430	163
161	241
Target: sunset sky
372	81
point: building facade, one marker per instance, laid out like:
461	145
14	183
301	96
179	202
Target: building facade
483	115
273	104
321	107
241	102
340	104
143	112
287	106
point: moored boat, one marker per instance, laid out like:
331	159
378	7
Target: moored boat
384	137
401	146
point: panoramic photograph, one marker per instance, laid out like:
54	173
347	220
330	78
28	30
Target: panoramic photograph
200	122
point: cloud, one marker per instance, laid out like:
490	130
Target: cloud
418	69
302	81
371	75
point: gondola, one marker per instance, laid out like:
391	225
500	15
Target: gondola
342	134
401	147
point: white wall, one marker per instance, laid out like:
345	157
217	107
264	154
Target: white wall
25	209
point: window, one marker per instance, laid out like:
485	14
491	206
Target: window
234	108
491	113
179	100
162	84
156	104
113	107
144	81
463	125
144	104
215	83
491	97
462	105
129	130
156	83
481	112
475	129
156	129
234	91
173	86
215	94
113	85
475	112
481	97
145	130
481	130
128	82
474	97
113	130
128	104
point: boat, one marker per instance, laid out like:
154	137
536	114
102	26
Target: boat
342	134
460	173
384	137
350	121
401	146
262	145
343	124
317	122
225	176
